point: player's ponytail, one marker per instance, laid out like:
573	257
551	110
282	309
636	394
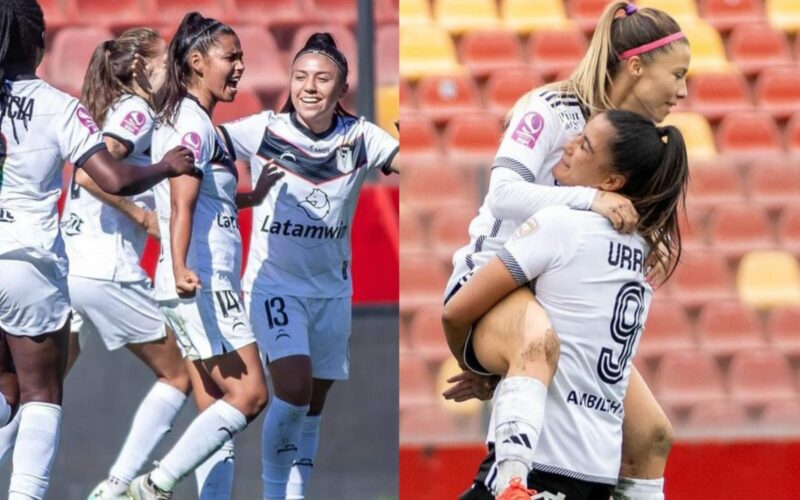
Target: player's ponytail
111	68
323	44
194	33
654	163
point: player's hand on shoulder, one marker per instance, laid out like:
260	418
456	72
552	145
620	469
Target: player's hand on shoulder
617	209
469	385
186	283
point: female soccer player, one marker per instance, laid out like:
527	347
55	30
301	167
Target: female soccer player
197	279
636	61
297	283
41	128
590	280
105	237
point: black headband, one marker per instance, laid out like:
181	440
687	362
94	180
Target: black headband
327	53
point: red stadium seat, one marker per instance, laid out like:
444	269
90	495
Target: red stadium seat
485	51
427	335
424	423
725	328
586	13
774	181
783	329
714	182
422	281
685	378
387	11
736	229
449	230
782	414
693	231
407	101
246	103
749	133
505	86
420	139
71	52
758	377
713	95
345	41
264	71
701	277
443	97
725	15
271	12
387	54
793	134
718	416
116	15
412	234
437	186
336	11
172	11
416	382
789	229
551	52
778	92
472	140
57	14
753	47
667	329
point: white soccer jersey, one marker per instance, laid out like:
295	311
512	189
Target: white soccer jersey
42	127
300	242
215	250
522	181
101	242
591	281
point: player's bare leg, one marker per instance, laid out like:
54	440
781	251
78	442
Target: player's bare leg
646	442
516	340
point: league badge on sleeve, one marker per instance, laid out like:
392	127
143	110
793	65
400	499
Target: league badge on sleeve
86	119
134	122
193	142
528	227
529	129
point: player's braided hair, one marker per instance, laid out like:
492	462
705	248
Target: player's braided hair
194	33
325	45
110	72
21	33
653	161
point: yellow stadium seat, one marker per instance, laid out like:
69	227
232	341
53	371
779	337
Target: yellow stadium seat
682	11
388	108
708	52
768	279
460	16
524	16
447	369
426	50
415	12
696	132
784	15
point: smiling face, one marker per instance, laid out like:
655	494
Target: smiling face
316	87
221	68
587	158
660	83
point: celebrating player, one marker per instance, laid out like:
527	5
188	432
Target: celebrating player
590	279
636	61
197	278
41	128
297	283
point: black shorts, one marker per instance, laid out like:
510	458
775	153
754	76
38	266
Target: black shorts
555	484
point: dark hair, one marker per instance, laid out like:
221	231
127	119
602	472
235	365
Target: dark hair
653	161
21	33
325	45
110	72
194	33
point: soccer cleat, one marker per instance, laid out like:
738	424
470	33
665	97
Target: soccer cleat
516	491
142	489
103	491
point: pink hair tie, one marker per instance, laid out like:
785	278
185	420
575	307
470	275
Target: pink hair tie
652	45
630	9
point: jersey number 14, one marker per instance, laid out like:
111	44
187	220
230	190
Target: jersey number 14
625	327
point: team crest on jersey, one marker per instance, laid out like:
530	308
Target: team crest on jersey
529	129
528	227
86	119
344	159
316	205
193	142
72	226
134	122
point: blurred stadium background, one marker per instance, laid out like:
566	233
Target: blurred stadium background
358	456
721	348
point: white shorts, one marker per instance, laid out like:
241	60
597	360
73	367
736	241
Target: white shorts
210	324
33	301
290	326
120	313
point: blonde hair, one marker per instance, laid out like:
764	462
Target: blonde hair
592	78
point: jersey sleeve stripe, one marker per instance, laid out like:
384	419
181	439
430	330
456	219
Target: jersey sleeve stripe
513	266
128	144
389	160
89	153
515	166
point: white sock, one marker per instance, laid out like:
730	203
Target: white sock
37	443
215	475
8	436
304	463
279	441
205	435
519	413
639	489
152	421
